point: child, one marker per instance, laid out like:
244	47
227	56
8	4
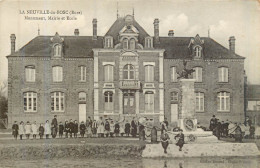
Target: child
94	128
34	130
117	129
127	128
61	129
82	128
21	130
180	141
15	128
107	127
75	129
67	129
112	128
41	131
89	131
165	140
47	129
28	129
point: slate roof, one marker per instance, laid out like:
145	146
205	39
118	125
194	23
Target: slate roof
253	92
81	46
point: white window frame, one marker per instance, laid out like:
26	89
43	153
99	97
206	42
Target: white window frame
173	74
82	96
148	42
60	96
30	101
223	99
57	50
83	73
125	41
174	96
149	73
108	101
223	74
197	51
30	73
149	102
108	42
57	73
200	101
197	74
108	73
132	44
127	68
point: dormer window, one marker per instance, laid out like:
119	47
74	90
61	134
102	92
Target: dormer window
125	44
132	44
197	51
57	50
108	42
148	42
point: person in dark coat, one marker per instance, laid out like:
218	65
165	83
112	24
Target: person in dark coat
166	122
82	129
61	129
248	122
141	132
71	126
41	131
165	140
94	128
54	124
238	133
107	128
75	129
252	132
213	123
217	129
67	129
133	127
225	128
127	128
117	129
15	129
180	139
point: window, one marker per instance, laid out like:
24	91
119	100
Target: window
57	50
57	74
197	74
125	44
108	42
83	73
223	74
109	73
174	96
57	102
197	51
82	96
30	74
30	101
199	103
173	74
253	105
149	73
149	102
132	44
148	42
223	101
128	72
109	100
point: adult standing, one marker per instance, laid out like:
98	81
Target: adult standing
28	129
127	128
117	129
94	128
217	129
100	127
107	127
82	129
71	126
15	129
112	128
75	128
213	123
61	129
231	129
133	127
41	131
54	124
34	130
165	140
47	129
21	130
67	129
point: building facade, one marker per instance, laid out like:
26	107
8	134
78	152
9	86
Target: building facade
253	103
124	73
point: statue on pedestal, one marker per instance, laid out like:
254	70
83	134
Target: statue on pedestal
184	74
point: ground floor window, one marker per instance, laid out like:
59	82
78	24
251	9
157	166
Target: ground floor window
109	101
199	101
57	102
149	102
30	101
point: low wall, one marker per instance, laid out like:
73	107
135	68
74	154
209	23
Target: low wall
49	151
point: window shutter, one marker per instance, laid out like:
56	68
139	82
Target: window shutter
146	73
226	77
220	74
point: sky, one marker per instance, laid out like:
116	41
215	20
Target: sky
224	18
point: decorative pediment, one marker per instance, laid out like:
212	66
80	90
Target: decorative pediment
57	38
196	47
130	29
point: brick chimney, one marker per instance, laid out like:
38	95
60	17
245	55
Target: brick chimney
232	42
94	22
76	32
156	30
12	37
171	33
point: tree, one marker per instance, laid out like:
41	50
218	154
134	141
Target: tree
3	100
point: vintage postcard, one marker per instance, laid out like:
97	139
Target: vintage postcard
130	83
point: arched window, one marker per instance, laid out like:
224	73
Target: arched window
174	96
197	51
57	50
223	101
82	96
128	72
125	44
132	44
57	101
30	101
108	100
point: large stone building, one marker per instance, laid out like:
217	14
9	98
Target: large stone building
126	72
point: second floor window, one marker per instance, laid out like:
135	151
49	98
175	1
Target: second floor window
57	102
197	74
30	101
57	50
109	73
128	72
132	44
199	101
30	74
149	73
57	74
108	42
83	73
125	44
173	74
223	74
223	101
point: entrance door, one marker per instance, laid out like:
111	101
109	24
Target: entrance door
174	112
82	112
129	102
